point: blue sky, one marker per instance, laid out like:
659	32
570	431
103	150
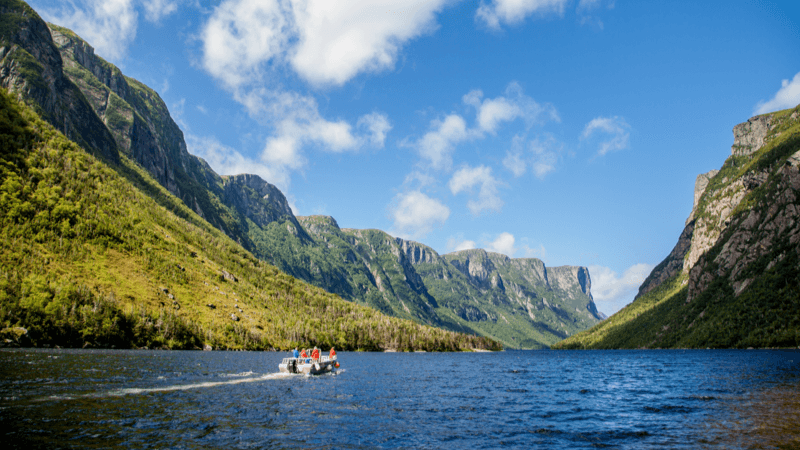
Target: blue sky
570	131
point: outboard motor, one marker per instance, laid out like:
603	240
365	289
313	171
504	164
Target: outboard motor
292	366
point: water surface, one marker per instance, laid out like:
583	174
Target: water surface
513	399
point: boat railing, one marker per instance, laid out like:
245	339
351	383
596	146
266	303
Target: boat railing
301	360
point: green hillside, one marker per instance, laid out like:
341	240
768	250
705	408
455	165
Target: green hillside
90	256
744	290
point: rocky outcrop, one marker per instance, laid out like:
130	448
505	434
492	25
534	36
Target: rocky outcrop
31	67
133	113
754	237
257	200
748	137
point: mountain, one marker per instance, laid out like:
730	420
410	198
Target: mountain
518	301
733	278
369	267
95	252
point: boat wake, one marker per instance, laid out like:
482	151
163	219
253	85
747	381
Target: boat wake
170	388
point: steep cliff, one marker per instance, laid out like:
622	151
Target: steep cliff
733	279
31	69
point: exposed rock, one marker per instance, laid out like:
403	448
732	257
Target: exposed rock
31	67
700	185
234	318
749	136
225	275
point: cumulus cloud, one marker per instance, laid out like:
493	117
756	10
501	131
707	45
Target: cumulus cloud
227	161
156	9
298	124
375	127
325	42
336	40
541	154
241	36
788	96
534	252
467	178
503	243
515	163
611	291
456	244
512	12
108	25
415	214
492	112
613	133
436	146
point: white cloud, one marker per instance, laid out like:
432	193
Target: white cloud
107	25
336	40
415	214
612	292
456	244
326	42
376	126
788	96
298	124
614	131
466	178
241	36
156	9
227	161
515	11
542	155
437	145
515	163
532	252
504	243
544	158
515	104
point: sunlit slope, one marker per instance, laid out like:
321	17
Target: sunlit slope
87	258
735	283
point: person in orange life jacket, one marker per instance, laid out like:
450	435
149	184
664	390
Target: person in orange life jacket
332	354
315	353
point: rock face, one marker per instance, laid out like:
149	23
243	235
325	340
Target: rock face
518	301
470	290
733	278
32	68
749	136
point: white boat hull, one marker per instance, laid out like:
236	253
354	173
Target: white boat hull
308	366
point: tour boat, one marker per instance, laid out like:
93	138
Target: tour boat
309	366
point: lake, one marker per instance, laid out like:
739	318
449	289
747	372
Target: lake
689	399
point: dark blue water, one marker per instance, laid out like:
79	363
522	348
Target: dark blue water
535	399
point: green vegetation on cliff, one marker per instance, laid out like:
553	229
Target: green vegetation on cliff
744	290
89	255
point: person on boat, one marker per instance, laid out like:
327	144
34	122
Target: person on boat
303	354
295	353
315	353
332	354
